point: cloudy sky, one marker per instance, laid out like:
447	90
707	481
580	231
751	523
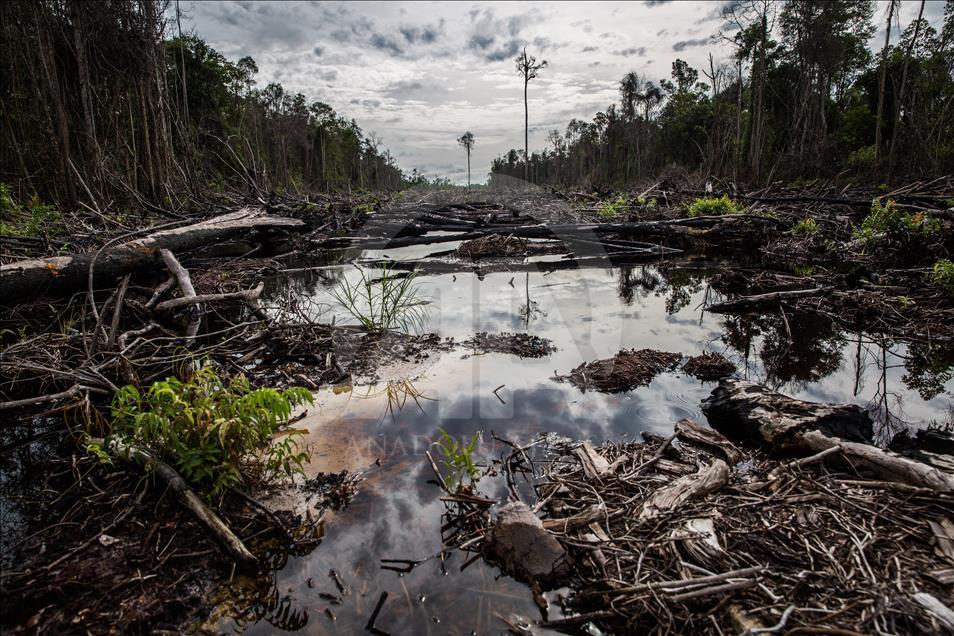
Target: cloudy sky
419	74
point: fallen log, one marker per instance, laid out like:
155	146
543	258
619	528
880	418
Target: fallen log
760	301
62	274
745	409
189	499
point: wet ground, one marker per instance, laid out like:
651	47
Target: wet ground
383	426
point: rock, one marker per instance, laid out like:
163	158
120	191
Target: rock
521	546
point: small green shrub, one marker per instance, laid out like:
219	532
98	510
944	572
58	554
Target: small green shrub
804	227
646	203
862	159
216	434
887	221
33	219
943	276
458	459
384	304
609	209
714	206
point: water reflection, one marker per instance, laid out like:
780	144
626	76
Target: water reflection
588	313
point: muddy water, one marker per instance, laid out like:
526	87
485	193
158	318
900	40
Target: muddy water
384	427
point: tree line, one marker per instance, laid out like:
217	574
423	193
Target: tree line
106	101
801	96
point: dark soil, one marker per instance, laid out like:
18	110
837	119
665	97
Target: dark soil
626	370
708	366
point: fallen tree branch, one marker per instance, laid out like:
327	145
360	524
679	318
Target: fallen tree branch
741	408
189	499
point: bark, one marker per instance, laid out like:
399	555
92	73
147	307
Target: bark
881	81
189	499
745	409
760	301
63	274
669	497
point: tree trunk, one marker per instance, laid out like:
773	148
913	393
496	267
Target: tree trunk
899	101
881	81
61	274
526	132
745	409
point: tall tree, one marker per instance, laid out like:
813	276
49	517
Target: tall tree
528	67
467	141
884	73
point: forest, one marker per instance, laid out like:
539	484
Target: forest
687	369
102	102
802	97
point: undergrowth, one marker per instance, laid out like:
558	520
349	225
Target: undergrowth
887	221
804	227
943	276
714	206
609	209
386	303
31	219
217	434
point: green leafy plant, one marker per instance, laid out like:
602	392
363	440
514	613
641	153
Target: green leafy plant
803	270
804	227
458	459
887	221
905	301
609	209
32	219
389	302
943	276
646	203
216	433
714	206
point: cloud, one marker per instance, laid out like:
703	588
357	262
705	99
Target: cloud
682	45
318	51
424	34
589	49
656	3
639	51
486	34
386	43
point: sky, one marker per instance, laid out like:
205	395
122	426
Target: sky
420	74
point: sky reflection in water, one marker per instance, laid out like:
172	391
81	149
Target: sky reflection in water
589	314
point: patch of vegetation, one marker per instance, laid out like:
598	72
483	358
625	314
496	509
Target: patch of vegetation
862	159
804	227
609	209
458	459
32	219
646	203
943	276
803	270
887	221
386	303
714	206
217	434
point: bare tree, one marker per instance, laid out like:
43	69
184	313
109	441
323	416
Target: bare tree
467	141
528	67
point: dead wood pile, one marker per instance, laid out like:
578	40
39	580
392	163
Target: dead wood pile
626	370
523	345
493	245
670	536
709	366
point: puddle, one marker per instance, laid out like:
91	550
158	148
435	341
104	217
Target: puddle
588	313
